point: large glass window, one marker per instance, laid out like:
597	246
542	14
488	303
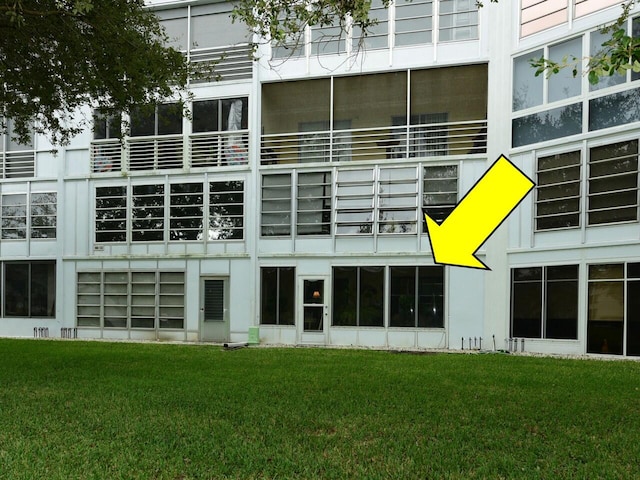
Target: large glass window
544	302
558	191
358	296
29	289
277	295
417	297
613	183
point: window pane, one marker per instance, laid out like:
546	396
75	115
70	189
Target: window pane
276	205
554	123
440	192
345	296
633	318
597	39
526	303
314	203
286	300
14	216
226	210
269	296
458	20
43	215
147	213
16	289
562	302
431	297
371	298
169	119
205	116
414	22
613	183
377	35
175	24
527	88
606	315
143	122
215	29
558	191
616	109
402	312
111	214
43	289
187	211
564	84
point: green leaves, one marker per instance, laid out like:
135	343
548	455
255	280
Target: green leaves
61	55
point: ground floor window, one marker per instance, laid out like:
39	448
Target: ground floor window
126	299
415	297
277	295
613	321
544	302
29	289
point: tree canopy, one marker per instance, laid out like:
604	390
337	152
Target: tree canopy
58	55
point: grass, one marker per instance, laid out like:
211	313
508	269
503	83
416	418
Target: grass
89	410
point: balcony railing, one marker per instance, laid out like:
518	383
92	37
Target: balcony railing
17	164
412	141
222	149
217	149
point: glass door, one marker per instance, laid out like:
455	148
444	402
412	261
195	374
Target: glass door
313	308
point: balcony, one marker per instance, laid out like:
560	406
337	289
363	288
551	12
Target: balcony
400	142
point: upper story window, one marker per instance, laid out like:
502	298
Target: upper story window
16	159
611	186
401	23
206	33
25	216
539	15
395	115
177	212
550	108
219	137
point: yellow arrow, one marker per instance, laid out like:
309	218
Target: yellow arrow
478	215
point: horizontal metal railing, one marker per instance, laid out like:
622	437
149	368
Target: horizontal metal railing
410	141
155	153
106	155
18	164
219	149
233	62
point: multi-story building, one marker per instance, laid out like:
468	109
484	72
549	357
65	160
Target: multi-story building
292	198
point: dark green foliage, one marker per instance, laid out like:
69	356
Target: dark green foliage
56	56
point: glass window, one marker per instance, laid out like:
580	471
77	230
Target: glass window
43	215
558	191
111	214
89	299
147	213
211	27
564	84
277	295
527	88
105	126
612	110
314	203
414	22
613	183
544	302
417	297
555	123
14	216
164	119
276	205
597	38
328	40
377	35
354	202
174	22
186	212
397	200
358	296
458	20
440	191
30	289
226	210
171	298
605	321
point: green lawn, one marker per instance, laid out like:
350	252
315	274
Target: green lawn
71	409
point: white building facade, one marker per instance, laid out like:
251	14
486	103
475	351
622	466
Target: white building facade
292	198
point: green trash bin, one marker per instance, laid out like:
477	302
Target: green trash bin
254	335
